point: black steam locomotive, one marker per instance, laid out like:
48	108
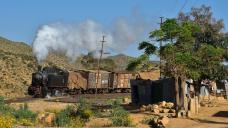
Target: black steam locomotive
56	81
49	79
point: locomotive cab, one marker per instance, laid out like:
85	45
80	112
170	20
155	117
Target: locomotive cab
48	80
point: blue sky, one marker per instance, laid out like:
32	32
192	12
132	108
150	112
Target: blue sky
20	19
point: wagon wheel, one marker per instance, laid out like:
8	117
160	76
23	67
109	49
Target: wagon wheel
31	91
44	91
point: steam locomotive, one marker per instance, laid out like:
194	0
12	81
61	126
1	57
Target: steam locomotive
46	80
53	80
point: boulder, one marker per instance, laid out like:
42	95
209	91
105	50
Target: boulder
41	117
172	110
155	106
148	107
156	111
126	100
169	105
144	106
163	121
165	110
49	118
181	113
142	109
162	104
46	118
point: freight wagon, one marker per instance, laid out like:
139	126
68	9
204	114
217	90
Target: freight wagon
52	80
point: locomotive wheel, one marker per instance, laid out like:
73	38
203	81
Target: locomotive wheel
31	91
44	92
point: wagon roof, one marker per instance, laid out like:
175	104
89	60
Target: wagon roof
125	72
92	71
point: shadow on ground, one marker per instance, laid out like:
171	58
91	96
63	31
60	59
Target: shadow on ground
210	121
221	114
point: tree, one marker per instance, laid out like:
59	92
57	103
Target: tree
89	62
143	61
140	63
194	47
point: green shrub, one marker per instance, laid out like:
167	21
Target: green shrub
120	117
24	113
4	108
114	103
63	117
76	122
84	109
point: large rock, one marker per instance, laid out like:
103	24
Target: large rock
172	110
126	100
46	118
169	105
142	109
49	118
156	111
155	106
165	110
163	121
181	113
162	104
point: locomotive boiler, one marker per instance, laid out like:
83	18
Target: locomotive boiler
49	79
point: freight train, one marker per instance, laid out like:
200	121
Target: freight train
53	80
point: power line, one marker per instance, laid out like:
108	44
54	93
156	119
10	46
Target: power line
182	7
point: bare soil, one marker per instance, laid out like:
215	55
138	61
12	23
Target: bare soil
208	117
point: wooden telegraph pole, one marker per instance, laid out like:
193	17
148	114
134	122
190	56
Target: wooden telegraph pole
161	21
99	61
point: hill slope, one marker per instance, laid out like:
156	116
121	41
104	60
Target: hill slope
121	60
17	64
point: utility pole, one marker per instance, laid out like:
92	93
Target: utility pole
161	21
99	61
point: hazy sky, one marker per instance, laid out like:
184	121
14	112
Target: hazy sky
21	19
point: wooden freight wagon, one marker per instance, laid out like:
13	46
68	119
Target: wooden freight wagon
86	81
102	84
121	81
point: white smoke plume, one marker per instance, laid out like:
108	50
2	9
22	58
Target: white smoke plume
72	39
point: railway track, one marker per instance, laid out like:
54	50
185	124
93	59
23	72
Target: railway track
20	100
72	98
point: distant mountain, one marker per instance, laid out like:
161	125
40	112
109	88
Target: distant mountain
122	61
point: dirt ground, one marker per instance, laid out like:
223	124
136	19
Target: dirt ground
208	117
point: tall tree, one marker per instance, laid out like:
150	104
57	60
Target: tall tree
194	47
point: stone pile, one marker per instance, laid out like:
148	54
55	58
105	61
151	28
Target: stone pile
161	108
46	118
208	104
159	121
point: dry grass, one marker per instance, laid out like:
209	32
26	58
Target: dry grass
42	106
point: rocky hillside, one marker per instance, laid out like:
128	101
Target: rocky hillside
121	60
17	64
